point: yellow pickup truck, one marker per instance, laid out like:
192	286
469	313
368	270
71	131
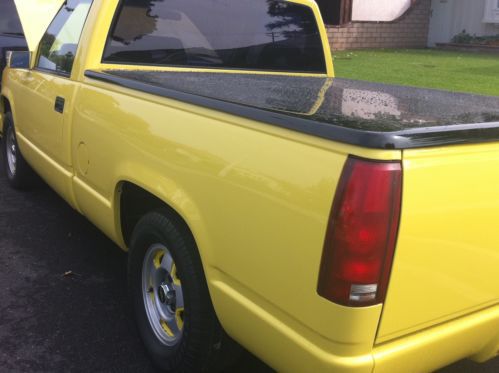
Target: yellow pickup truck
326	225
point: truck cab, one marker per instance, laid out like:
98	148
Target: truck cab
259	198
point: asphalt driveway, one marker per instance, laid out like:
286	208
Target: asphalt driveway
63	304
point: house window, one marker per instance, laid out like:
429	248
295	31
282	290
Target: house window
336	12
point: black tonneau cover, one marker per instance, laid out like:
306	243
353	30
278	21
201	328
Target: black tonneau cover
355	112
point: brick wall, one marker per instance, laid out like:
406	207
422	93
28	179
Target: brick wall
409	31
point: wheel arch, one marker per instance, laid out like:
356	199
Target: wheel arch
6	106
134	200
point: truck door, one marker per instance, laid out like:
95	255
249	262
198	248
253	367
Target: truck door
44	112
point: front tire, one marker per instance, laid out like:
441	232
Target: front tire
19	173
170	297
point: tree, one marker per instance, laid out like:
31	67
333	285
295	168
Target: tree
290	20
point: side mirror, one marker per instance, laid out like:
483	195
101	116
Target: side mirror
18	59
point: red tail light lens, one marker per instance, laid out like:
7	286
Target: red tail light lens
362	232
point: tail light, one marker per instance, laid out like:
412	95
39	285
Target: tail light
361	234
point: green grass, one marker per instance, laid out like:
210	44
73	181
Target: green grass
452	71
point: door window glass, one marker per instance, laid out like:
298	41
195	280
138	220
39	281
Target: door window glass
60	42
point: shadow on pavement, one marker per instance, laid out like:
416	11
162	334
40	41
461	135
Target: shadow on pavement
76	322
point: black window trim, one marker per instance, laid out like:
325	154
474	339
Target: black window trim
18	36
59	73
232	69
62	74
201	68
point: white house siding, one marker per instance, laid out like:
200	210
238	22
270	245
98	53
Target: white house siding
450	17
379	10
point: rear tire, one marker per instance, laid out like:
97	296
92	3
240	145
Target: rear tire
18	172
170	298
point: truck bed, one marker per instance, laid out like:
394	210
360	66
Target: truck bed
360	113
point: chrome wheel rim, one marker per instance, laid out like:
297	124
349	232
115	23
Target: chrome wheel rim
11	151
162	294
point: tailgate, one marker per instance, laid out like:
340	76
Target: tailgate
447	257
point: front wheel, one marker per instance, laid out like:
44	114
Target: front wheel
170	298
19	173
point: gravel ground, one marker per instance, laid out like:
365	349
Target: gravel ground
52	322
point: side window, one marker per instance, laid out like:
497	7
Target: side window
58	46
240	34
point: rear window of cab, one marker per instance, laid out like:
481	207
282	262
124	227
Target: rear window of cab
269	35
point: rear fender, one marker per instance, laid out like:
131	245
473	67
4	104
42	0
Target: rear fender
172	194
